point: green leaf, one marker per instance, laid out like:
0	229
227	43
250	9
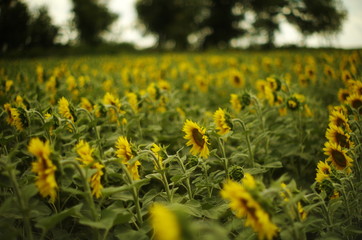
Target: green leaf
29	191
46	223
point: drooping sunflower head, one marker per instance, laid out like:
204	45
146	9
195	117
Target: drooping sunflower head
323	171
124	150
196	137
337	135
65	110
337	156
222	121
86	104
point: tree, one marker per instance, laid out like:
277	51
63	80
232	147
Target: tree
91	19
172	21
222	22
42	31
14	20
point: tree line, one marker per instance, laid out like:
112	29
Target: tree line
177	24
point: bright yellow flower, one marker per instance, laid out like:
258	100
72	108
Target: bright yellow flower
95	180
133	170
249	181
237	79
164	223
336	135
133	101
337	156
64	110
44	168
15	118
196	137
302	213
85	152
157	150
124	149
343	94
245	206
110	99
355	101
86	104
85	157
323	171
222	122
338	119
20	102
8	85
235	102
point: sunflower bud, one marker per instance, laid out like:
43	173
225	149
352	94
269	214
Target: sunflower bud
236	173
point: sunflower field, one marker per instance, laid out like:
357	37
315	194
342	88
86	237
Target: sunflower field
237	145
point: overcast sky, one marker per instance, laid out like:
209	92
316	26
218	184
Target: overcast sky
125	28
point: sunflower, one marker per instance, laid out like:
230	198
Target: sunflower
124	149
44	168
337	135
133	101
338	119
342	94
157	150
86	104
95	180
337	156
65	110
355	101
222	121
323	171
293	103
85	157
237	79
329	71
16	117
235	102
244	205
274	83
110	99
164	223
197	138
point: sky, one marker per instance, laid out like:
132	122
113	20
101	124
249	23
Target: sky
126	28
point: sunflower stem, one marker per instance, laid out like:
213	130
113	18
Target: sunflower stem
134	194
94	125
209	189
188	185
248	142
88	192
23	205
224	159
47	133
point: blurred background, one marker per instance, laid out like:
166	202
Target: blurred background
178	24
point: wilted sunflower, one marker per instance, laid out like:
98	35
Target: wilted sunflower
245	206
164	223
222	121
323	171
337	156
197	138
44	168
336	135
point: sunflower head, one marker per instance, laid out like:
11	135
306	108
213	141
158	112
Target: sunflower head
323	171
235	102
339	119
337	156
124	150
274	83
196	137
293	103
339	136
222	121
355	101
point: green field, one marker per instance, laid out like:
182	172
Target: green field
236	145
